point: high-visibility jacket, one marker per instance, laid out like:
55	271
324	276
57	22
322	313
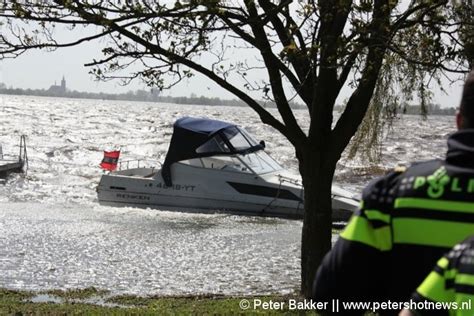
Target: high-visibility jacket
449	288
408	219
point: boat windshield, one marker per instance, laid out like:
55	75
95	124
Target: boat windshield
229	150
260	162
230	140
239	138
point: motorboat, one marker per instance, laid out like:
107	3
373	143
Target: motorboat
215	166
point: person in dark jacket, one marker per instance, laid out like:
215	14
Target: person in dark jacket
449	288
408	219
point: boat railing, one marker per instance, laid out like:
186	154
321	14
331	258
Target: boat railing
138	163
289	180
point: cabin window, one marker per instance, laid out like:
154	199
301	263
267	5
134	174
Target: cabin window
196	162
224	163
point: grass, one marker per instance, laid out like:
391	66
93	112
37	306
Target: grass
75	302
13	296
77	294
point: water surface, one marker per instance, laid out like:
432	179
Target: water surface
56	236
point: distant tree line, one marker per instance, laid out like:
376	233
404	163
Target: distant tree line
432	109
416	109
153	96
137	95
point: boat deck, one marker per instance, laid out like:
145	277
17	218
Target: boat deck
137	172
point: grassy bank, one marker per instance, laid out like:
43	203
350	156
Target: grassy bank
96	302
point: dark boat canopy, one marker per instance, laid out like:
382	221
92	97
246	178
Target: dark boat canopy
200	125
200	137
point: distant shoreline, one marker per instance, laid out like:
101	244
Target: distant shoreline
153	96
137	95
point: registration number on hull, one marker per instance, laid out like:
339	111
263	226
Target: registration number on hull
177	187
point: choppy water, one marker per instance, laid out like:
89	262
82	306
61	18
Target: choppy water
55	235
145	251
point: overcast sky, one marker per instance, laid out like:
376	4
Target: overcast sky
40	69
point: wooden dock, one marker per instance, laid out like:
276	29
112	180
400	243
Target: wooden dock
9	165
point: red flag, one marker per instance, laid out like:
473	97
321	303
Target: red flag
110	160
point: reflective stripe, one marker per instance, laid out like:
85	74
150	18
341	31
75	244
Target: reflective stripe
377	215
467	279
433	288
429	232
443	263
359	229
438	205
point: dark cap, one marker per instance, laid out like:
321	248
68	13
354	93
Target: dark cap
467	102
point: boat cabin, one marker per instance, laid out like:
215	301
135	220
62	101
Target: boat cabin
215	144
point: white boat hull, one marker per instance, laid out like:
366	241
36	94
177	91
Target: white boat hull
212	190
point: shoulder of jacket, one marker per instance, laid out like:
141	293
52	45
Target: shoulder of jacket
400	169
423	166
461	256
387	180
382	190
379	193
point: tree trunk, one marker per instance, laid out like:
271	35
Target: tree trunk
317	171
